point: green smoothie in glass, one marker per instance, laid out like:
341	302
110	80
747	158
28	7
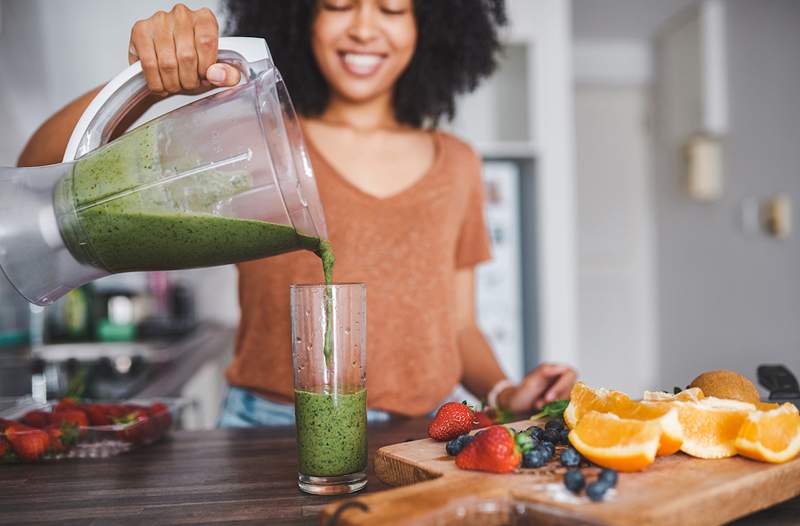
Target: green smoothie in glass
331	431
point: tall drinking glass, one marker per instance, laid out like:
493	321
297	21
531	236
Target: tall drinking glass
330	394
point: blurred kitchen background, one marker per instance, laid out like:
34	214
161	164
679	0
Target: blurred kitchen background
642	163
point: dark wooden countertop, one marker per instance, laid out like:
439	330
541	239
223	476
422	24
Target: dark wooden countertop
243	476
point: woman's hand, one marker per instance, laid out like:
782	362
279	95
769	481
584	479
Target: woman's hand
178	51
544	384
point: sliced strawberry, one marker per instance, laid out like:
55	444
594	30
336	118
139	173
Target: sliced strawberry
452	420
493	450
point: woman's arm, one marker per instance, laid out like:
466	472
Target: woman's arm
481	370
47	144
178	52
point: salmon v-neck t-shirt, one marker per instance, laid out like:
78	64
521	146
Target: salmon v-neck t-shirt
407	248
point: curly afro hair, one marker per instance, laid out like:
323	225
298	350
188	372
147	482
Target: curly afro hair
457	46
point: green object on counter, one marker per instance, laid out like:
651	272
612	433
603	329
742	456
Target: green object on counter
331	432
553	409
115	213
13	338
108	331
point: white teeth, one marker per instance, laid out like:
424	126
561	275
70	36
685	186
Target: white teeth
362	61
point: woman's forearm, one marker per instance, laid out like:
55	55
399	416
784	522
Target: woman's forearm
481	370
47	144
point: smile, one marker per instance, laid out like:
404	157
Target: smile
361	64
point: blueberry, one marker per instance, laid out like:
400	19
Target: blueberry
555	425
536	432
597	490
455	446
609	476
563	436
547	452
533	459
570	458
551	435
574	480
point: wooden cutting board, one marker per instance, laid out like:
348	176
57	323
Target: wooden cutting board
675	490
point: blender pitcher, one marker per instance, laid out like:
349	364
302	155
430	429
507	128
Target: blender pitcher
223	179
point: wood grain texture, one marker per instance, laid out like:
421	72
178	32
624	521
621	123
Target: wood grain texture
243	477
675	490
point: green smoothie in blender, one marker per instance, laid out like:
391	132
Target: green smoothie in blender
120	211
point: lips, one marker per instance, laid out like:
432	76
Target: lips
361	64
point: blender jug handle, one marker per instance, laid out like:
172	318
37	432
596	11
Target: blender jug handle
250	55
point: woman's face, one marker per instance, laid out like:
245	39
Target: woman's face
363	46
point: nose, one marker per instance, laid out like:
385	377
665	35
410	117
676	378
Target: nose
364	28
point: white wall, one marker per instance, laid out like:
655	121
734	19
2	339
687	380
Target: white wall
614	237
728	298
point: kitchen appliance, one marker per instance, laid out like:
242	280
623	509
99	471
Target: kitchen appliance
780	382
223	179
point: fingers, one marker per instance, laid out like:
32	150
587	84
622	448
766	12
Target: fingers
223	75
185	52
561	388
206	33
529	391
145	51
176	49
165	53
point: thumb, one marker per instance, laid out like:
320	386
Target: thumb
222	75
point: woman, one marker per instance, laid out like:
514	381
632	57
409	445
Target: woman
403	201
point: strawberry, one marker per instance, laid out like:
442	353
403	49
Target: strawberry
66	403
482	419
38	419
72	416
139	427
452	420
491	416
493	450
98	414
62	437
28	443
161	415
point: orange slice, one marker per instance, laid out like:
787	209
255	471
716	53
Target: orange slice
771	436
617	443
711	425
583	399
665	414
687	395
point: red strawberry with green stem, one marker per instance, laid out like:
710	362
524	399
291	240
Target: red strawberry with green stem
452	420
494	450
28	443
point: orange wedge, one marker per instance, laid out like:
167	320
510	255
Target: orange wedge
687	395
665	414
583	399
617	443
771	436
711	425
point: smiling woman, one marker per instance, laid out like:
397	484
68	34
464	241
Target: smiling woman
455	45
